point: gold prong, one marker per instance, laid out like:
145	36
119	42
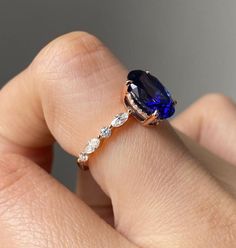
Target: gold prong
130	111
128	82
151	118
175	102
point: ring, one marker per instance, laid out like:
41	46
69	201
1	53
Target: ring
145	98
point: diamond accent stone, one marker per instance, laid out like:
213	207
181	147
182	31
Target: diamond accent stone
105	132
92	145
140	111
83	157
120	119
135	107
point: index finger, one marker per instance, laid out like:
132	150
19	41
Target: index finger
148	173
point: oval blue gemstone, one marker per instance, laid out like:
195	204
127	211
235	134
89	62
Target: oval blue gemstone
150	95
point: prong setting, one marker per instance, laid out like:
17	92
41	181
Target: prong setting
152	119
128	82
138	113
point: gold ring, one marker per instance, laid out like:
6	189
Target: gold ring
145	98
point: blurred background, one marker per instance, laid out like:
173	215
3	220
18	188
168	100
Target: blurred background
190	45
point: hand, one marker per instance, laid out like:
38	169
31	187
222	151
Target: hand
166	190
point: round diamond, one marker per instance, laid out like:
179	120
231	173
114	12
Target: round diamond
83	157
140	111
92	145
131	101
105	132
120	119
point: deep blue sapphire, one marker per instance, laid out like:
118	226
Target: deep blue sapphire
149	94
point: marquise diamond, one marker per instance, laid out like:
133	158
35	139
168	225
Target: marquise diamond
120	119
92	145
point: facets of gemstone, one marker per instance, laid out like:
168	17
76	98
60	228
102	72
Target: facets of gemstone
92	145
120	119
105	132
149	94
82	157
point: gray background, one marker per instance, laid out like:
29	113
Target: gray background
189	44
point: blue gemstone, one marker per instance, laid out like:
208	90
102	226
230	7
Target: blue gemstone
149	94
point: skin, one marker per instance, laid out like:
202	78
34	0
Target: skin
170	186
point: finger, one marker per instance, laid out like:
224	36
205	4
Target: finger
23	129
211	122
37	211
21	123
90	192
223	171
147	172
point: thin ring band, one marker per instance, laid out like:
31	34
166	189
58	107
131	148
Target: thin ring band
105	132
145	98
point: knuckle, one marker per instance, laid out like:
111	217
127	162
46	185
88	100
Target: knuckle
65	53
216	99
212	105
